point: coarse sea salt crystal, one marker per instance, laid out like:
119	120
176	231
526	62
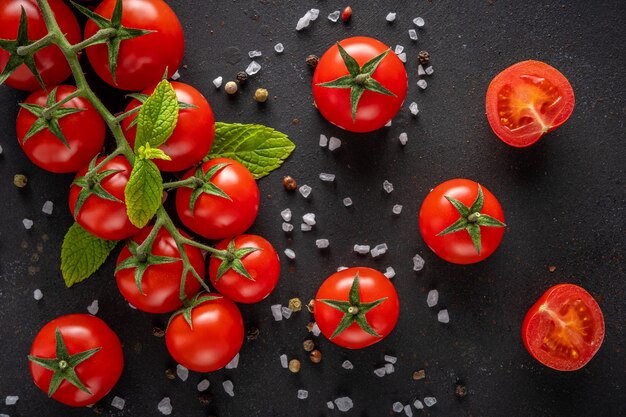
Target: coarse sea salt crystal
413	108
286	312
277	312
442	317
322	243
380	372
402	57
399	49
253	68
229	388
334	16
303	394
344	404
286	214
11	399
309	219
316	330
204	385
304	21
37	294
389	369
404	138
397	407
390	359
379	250
341	268
279	48
419	22
287	227
330	405
255	53
118	403
48	207
323	141
305	227
93	308
165	406
408	411
182	372
362	249
430	401
390	17
305	191
347	365
28	223
315	13
334	143
396	209
347	201
387	186
390	272
429	70
422	84
1	150
432	298
176	76
234	362
413	34
418	263
420	70
217	82
327	177
388	124
283	361
418	404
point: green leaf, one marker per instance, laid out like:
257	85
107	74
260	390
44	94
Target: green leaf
82	254
144	192
261	149
158	116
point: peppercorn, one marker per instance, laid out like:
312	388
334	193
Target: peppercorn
294	366
295	304
309	326
260	95
308	345
346	14
417	375
552	268
20	180
170	374
424	57
253	333
230	87
460	390
242	77
158	332
312	60
205	399
311	306
315	356
289	183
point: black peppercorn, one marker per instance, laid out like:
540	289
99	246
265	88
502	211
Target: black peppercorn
312	60
242	77
424	57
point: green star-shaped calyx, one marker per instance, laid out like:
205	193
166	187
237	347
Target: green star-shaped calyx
203	185
232	259
91	185
197	300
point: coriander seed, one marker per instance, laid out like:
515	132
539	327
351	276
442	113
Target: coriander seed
260	95
295	304
158	332
311	306
294	366
170	374
20	180
230	87
315	356
308	345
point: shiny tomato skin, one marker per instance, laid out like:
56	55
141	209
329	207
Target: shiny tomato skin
141	61
215	339
99	373
103	218
193	136
46	150
215	217
528	100
374	109
161	282
437	213
581	315
373	286
263	265
50	61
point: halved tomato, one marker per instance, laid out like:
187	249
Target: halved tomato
528	100
564	329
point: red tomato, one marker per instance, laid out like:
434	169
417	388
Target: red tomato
374	109
262	265
437	214
50	61
216	217
46	150
160	282
373	286
564	329
101	217
193	136
98	373
213	340
141	61
528	100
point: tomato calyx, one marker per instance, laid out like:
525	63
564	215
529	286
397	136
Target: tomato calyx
471	219
48	116
63	365
359	78
111	32
90	184
201	184
354	310
231	259
189	305
141	98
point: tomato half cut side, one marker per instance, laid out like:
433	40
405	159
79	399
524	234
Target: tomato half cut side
528	100
564	329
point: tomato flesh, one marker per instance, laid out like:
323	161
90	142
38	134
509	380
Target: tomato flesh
527	100
565	328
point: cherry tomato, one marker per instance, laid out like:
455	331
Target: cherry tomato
564	329
216	217
369	307
160	282
374	109
213	340
262	265
193	136
438	214
48	151
78	333
50	61
141	61
102	217
528	100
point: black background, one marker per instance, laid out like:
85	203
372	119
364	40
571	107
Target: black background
563	198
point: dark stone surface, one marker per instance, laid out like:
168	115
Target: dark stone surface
563	198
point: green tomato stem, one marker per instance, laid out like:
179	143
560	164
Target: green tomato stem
47	112
47	40
473	218
97	37
191	181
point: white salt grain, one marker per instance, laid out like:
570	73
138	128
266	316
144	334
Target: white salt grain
387	186
37	294
432	298
303	394
286	312
304	21
334	143
305	227
132	306
309	219
286	215
347	365
253	68
344	404
254	54
229	388
218	82
28	223
118	403
287	227
390	272
316	330
389	369
315	13
204	385
443	317
47	208
413	34
277	312
341	268
379	250
413	108
347	201
418	263
422	84
165	406
388	124
323	141
380	372
408	411
1	150
334	16
402	57
419	22
397	407
305	190
391	17
283	361
322	243
175	76
418	404
279	48
390	359
234	362
93	308
330	405
430	401
404	138
362	249
327	177
397	209
182	372
11	399
399	49
420	70
429	70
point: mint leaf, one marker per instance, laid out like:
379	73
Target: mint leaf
260	148
144	192
158	116
82	254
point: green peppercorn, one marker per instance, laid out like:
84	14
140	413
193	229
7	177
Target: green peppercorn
20	180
